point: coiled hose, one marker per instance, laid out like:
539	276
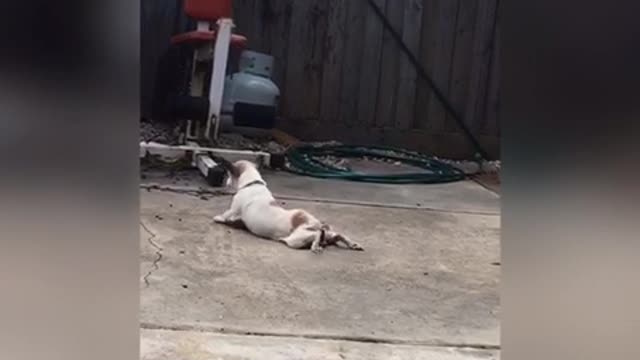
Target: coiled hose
304	160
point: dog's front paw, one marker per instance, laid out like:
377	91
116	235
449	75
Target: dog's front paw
356	247
317	250
219	219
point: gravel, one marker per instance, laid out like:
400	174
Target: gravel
169	135
240	142
159	132
473	167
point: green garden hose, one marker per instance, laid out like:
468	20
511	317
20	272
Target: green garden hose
304	160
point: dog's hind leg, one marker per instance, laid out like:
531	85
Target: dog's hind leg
301	238
345	240
316	246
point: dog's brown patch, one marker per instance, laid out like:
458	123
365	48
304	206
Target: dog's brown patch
241	166
299	218
235	172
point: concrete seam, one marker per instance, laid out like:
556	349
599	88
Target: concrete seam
199	192
362	339
386	206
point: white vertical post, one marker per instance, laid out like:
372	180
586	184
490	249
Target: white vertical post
216	88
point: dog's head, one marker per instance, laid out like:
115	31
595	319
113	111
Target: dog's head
240	173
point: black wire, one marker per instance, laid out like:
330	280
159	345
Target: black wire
425	76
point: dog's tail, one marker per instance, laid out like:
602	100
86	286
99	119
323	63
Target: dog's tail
226	164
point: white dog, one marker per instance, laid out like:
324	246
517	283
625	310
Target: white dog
254	206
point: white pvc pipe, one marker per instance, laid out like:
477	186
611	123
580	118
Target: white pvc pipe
216	87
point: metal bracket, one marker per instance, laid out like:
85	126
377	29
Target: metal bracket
212	171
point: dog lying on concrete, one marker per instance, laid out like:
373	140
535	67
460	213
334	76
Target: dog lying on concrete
254	206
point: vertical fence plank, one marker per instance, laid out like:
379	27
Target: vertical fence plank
244	18
438	34
370	66
295	69
158	24
389	67
492	125
427	35
304	63
333	50
408	75
318	21
351	65
461	62
443	55
280	48
269	13
482	46
259	34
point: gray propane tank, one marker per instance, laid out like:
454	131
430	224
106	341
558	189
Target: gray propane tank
250	95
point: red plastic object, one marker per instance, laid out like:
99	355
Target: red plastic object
208	10
196	37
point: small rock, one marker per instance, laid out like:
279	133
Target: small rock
185	286
491	166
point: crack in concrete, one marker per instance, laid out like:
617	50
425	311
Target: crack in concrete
159	249
362	339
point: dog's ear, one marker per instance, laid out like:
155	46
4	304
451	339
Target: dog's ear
226	164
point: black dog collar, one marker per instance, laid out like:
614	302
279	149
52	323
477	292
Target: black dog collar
255	182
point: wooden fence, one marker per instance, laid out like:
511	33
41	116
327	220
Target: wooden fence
344	77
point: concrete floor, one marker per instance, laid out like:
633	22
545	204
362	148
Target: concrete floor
426	286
